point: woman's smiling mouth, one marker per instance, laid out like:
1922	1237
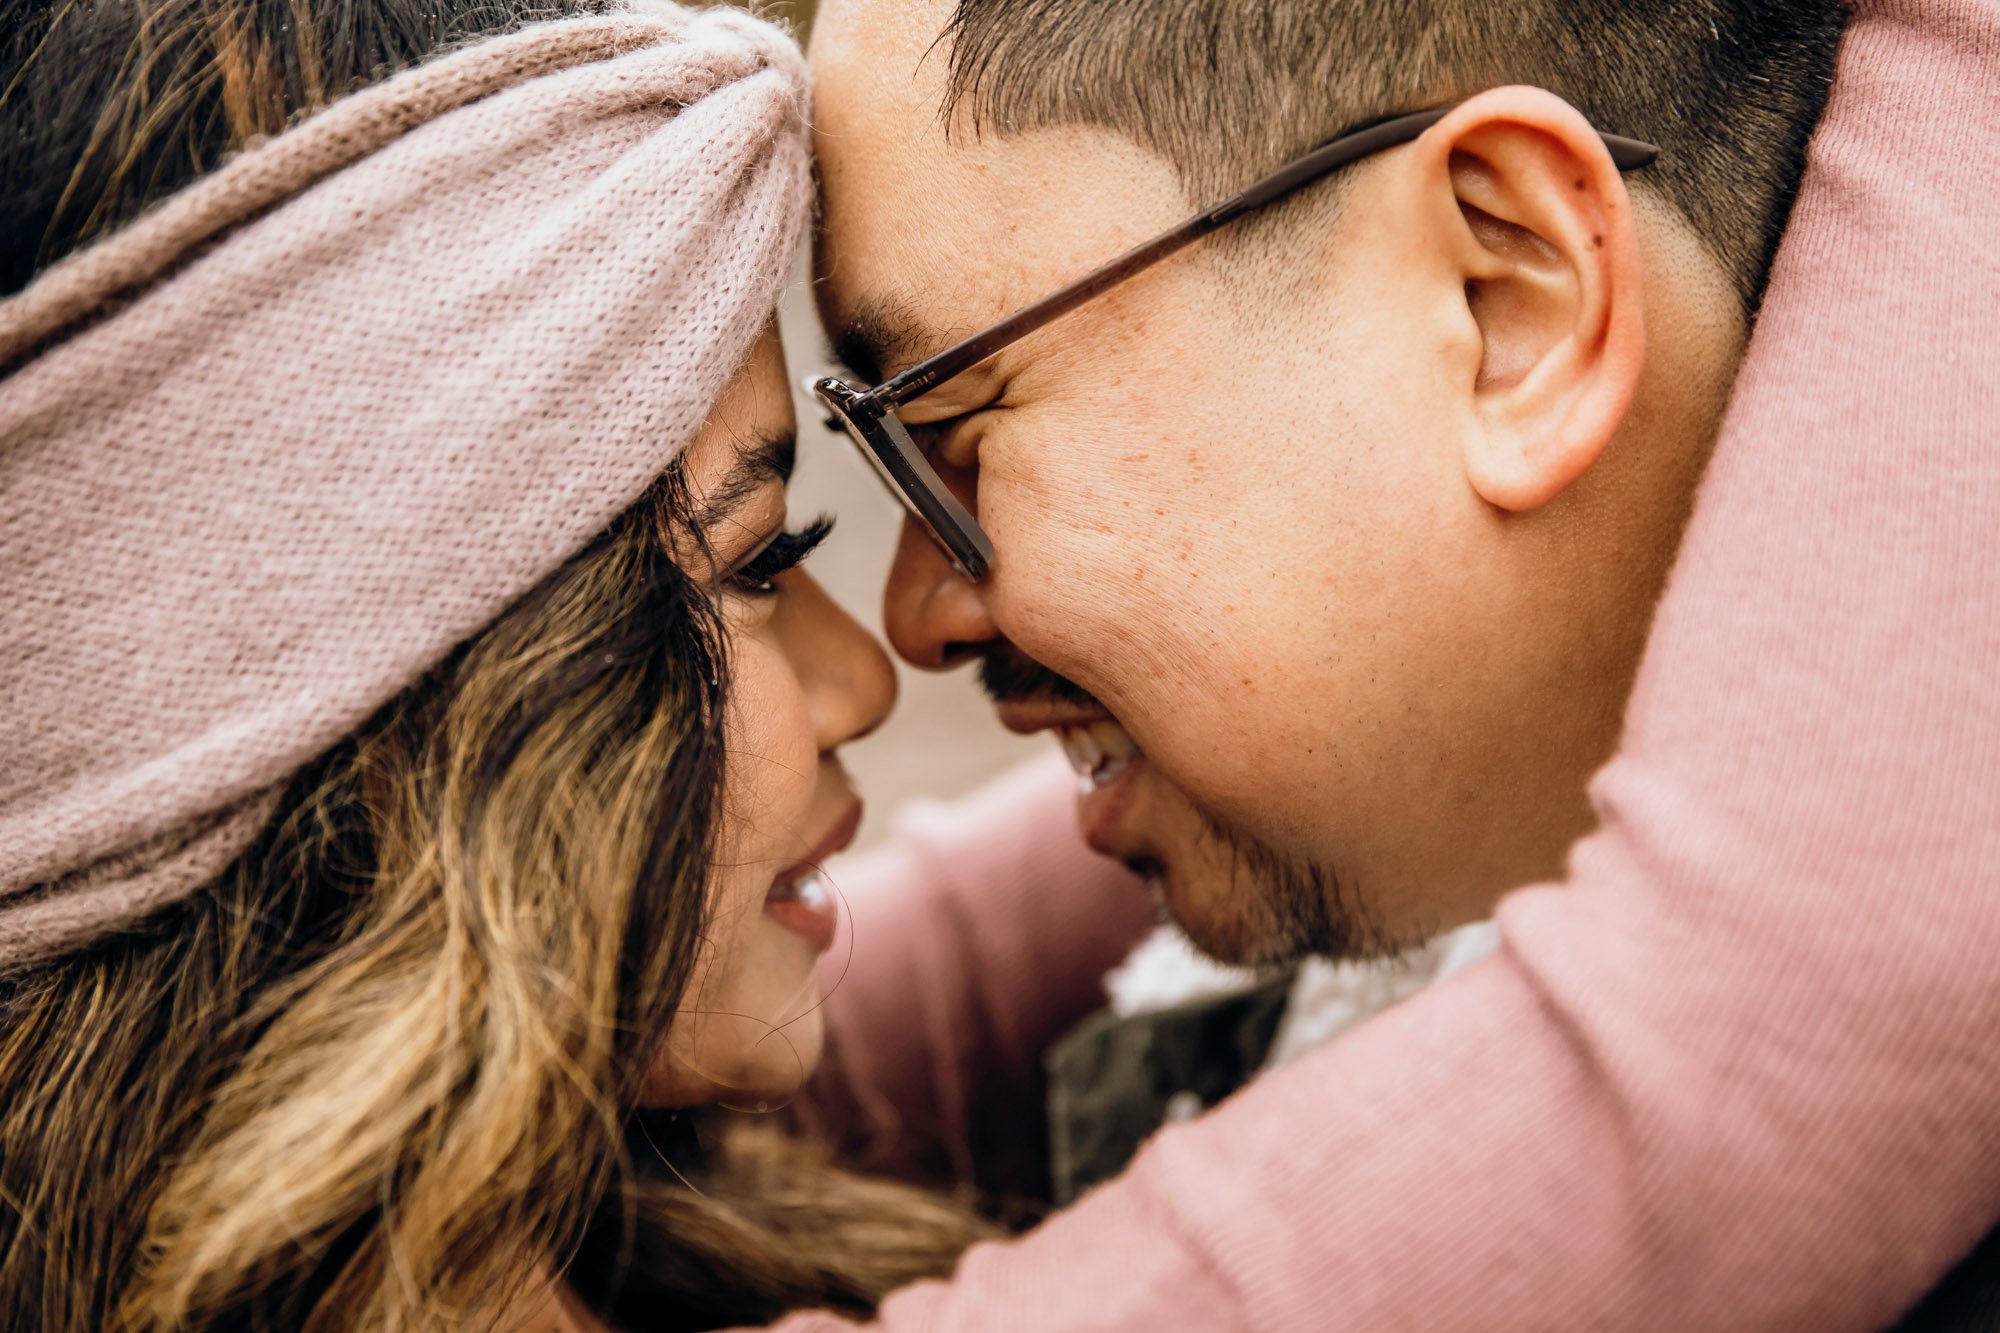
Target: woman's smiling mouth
800	899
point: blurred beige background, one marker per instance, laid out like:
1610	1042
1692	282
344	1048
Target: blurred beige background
942	739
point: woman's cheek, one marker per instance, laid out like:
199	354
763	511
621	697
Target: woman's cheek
772	761
740	1037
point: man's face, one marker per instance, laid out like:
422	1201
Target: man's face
1232	514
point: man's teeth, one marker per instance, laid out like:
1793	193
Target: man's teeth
1098	752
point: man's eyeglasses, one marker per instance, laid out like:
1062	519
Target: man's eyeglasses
868	416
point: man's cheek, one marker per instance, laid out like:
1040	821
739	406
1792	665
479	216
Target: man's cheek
1104	573
1110	634
1068	623
1065	564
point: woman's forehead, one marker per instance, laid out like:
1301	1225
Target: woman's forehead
737	465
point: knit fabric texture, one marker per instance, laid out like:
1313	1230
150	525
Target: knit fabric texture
273	450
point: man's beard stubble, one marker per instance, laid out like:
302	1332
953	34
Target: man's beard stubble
1280	908
1284	908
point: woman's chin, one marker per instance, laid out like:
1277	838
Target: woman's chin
781	1064
740	1063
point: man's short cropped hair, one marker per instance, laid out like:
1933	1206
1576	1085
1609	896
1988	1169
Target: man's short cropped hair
1226	90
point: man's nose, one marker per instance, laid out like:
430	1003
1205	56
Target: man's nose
935	617
849	682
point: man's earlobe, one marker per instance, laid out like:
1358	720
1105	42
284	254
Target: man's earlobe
1552	280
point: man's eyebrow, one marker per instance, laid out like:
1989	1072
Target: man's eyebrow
878	334
769	456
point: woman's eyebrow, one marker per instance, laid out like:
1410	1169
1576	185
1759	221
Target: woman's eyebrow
769	456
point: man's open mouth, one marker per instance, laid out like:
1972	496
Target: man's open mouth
1098	751
1031	698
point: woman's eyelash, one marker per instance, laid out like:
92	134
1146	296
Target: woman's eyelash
786	551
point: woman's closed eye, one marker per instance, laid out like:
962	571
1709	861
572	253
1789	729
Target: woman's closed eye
785	551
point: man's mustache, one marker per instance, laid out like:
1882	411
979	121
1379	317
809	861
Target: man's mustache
1010	675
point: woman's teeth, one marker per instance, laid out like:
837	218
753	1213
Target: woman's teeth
1098	752
805	905
809	890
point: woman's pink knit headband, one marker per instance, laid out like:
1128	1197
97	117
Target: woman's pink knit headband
270	452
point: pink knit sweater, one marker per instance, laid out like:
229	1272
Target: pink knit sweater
1741	1070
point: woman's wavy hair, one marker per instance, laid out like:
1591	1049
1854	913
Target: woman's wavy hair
382	1072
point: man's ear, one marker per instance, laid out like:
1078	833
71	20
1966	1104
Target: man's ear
1545	243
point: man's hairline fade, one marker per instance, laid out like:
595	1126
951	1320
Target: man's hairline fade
1021	65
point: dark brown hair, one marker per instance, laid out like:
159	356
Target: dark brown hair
1227	90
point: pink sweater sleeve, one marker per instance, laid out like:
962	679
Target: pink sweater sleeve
978	935
1743	1070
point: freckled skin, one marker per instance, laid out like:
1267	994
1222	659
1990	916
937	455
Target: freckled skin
1365	567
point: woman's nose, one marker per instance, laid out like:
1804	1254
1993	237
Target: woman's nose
849	682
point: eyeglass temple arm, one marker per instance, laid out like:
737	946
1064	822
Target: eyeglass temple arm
1626	155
